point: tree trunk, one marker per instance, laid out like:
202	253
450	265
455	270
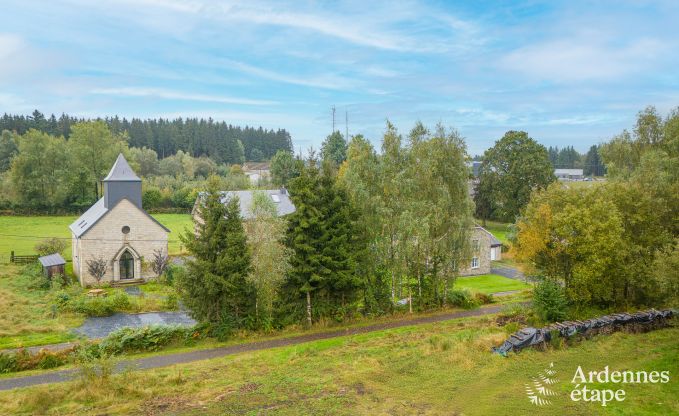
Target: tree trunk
308	307
410	299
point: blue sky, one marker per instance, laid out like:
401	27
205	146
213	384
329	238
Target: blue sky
568	73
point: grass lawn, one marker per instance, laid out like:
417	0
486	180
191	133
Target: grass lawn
499	230
22	233
489	283
442	368
26	316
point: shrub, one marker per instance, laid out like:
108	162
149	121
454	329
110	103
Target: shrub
50	246
483	298
7	362
93	306
148	338
549	300
462	299
171	302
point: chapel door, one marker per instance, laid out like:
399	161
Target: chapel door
126	266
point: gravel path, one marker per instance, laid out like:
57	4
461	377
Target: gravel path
191	356
508	272
102	326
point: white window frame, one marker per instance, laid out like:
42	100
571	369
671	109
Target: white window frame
476	244
475	262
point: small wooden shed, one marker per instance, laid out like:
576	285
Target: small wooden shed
52	265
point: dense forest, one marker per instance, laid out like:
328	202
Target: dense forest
222	142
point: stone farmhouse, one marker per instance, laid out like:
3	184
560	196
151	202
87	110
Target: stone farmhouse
116	229
485	248
280	197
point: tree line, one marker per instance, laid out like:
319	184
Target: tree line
613	244
369	230
568	158
40	172
222	142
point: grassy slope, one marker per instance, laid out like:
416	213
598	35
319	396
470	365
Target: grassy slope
489	283
26	316
443	368
27	231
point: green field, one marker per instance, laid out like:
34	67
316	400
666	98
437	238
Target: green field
489	283
499	230
20	233
443	368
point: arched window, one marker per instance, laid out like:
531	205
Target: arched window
126	266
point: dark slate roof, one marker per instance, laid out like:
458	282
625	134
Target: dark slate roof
89	218
494	242
281	198
94	214
52	260
121	171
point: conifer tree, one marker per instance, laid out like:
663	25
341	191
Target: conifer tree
305	231
214	287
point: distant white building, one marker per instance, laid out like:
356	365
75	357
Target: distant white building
568	174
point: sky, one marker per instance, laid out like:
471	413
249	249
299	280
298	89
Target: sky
567	72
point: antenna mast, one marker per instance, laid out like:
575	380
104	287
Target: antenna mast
333	118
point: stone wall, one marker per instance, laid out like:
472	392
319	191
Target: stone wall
483	254
106	240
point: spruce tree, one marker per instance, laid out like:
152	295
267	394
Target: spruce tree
307	273
341	248
214	287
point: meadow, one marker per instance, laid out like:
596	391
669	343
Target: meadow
489	283
442	368
22	233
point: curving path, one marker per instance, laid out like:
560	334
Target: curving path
191	356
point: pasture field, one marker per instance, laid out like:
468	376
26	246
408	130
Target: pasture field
499	230
489	283
22	233
435	369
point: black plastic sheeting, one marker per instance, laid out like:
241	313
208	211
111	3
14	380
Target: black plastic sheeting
529	337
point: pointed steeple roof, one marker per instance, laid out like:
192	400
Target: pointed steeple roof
121	171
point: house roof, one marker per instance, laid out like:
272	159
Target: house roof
52	260
121	171
494	242
568	172
97	212
249	166
280	197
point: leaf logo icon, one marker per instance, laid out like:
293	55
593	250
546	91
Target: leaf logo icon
538	391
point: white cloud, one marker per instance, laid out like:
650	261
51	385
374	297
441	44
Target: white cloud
582	58
176	95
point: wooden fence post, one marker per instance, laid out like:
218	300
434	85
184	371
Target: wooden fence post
11	258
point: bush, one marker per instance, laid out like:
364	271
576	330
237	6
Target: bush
93	306
23	360
483	298
549	301
171	302
462	299
50	246
148	338
8	362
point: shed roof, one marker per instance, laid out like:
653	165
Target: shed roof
52	260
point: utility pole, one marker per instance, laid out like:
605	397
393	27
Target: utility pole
333	118
346	125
